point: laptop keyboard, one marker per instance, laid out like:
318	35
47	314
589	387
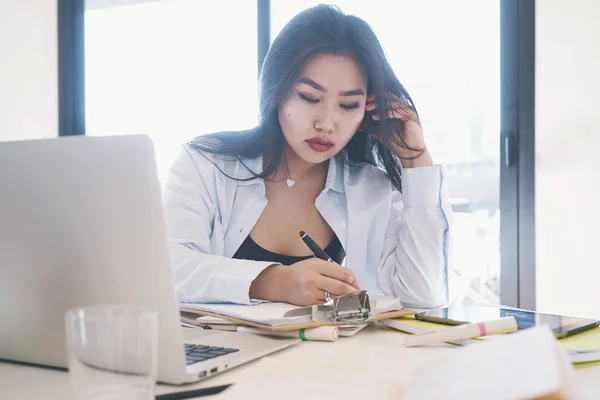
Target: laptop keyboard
195	352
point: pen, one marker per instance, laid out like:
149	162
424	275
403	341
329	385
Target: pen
466	331
189	394
314	247
318	252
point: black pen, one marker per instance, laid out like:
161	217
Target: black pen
208	391
314	247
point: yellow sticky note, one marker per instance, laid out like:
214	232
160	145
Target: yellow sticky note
431	326
587	340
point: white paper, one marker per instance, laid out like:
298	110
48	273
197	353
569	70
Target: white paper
210	320
348	330
385	304
263	313
522	365
578	356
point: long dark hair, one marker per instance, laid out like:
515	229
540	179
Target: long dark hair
322	29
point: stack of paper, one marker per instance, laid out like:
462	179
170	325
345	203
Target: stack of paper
263	313
272	314
344	330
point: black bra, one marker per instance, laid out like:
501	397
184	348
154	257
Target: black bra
249	250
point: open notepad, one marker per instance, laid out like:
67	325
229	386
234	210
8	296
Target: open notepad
270	316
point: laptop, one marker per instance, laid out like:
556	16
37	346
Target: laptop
82	224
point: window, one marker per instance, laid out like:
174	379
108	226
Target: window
172	69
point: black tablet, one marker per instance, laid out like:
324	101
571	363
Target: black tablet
562	326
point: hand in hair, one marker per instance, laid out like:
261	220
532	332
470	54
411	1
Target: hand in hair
408	143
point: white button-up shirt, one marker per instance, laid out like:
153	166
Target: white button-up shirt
396	243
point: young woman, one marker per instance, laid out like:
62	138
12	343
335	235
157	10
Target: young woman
338	153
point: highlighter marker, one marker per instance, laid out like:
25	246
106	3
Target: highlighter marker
319	333
466	331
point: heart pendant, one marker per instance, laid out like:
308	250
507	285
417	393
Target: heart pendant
290	182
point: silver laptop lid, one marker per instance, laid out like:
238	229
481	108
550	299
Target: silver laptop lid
81	223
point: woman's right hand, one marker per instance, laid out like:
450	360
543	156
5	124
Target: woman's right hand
303	283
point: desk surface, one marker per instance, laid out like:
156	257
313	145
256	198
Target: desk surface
387	364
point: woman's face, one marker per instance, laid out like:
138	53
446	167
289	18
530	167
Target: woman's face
324	108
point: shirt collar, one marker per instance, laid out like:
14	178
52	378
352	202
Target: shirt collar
334	180
247	168
335	173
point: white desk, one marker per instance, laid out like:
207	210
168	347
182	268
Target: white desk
386	364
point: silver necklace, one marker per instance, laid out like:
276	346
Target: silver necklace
291	182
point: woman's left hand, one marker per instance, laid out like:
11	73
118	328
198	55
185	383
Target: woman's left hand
405	116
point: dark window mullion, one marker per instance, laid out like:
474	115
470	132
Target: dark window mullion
71	67
526	48
263	28
517	168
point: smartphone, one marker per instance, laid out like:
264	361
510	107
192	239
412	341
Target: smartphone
562	326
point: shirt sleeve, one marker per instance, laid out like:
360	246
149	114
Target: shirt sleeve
190	209
414	264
